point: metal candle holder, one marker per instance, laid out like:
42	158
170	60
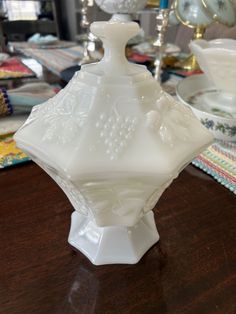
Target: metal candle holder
88	37
160	7
162	18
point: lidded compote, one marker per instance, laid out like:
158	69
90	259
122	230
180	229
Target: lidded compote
113	141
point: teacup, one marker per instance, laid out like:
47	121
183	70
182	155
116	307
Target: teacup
217	59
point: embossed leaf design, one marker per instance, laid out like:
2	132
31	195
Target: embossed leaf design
170	122
64	115
121	198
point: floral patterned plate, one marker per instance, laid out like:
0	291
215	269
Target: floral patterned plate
194	92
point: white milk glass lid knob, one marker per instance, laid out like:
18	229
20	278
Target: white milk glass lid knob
115	37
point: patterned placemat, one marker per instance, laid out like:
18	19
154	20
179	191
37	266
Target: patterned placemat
10	155
14	68
219	161
5	105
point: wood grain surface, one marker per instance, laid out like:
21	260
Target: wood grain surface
191	270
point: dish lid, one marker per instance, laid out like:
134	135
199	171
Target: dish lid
113	117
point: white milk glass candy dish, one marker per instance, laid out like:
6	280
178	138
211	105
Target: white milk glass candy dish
113	141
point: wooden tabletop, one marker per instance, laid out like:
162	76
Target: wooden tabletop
191	270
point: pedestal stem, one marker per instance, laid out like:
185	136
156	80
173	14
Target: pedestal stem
112	244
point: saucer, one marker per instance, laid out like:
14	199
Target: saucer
198	93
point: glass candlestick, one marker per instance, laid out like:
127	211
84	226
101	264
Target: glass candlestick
161	28
86	38
84	14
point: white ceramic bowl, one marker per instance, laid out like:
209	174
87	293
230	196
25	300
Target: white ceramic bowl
192	91
121	6
217	59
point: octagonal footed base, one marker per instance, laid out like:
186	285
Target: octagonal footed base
114	244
